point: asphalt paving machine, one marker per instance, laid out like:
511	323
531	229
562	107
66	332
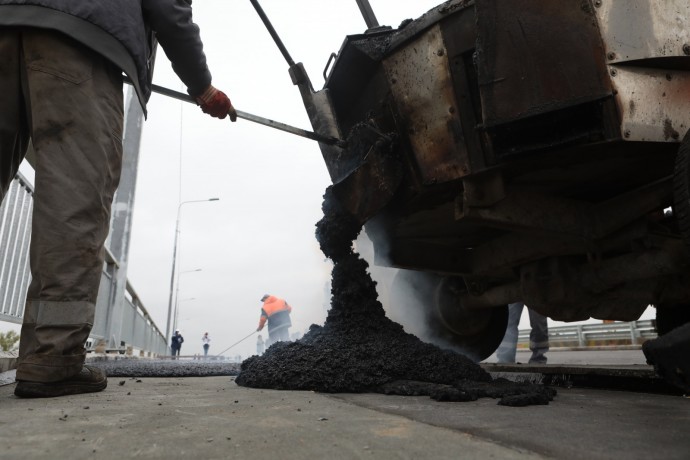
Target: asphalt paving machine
518	151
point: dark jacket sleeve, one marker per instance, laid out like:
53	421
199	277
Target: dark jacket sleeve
180	39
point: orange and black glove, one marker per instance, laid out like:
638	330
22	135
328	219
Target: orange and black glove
215	103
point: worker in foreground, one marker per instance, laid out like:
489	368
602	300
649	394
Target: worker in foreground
276	312
61	65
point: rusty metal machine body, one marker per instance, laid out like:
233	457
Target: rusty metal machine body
520	151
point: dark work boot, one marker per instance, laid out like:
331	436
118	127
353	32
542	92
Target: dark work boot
89	380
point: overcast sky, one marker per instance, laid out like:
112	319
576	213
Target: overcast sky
259	237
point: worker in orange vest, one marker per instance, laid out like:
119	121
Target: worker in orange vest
276	312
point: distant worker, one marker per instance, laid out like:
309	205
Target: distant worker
176	344
260	345
61	87
206	340
277	312
538	336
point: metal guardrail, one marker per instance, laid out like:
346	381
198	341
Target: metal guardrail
600	334
15	233
130	327
137	330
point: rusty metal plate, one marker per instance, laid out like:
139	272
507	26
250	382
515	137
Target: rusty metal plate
422	88
365	191
537	56
643	29
653	103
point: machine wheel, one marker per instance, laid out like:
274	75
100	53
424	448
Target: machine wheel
477	333
670	317
681	189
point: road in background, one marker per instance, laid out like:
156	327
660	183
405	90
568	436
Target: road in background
600	357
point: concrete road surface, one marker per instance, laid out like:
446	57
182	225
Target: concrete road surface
212	418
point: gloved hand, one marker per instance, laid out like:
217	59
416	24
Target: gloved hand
215	103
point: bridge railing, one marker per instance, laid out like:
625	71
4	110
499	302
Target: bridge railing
15	233
132	328
600	334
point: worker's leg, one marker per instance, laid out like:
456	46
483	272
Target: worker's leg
278	334
538	337
14	132
76	110
508	347
282	334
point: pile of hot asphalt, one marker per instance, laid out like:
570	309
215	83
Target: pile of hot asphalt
359	349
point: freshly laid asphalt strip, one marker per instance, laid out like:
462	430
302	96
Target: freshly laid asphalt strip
132	367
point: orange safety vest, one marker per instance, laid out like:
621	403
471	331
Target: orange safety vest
276	311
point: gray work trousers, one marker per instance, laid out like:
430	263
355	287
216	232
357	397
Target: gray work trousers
68	101
538	336
279	334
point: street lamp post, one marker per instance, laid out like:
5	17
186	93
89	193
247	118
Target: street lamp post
177	301
177	296
177	312
174	261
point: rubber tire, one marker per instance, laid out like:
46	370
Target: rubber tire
671	317
477	333
681	189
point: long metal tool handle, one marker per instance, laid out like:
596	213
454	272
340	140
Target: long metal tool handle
236	343
250	117
324	139
367	13
273	32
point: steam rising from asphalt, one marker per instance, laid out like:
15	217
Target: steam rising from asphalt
399	300
404	303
